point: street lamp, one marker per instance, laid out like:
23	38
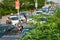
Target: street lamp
45	2
36	4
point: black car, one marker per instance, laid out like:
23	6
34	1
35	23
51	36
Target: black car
42	20
7	28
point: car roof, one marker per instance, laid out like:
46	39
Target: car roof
24	12
12	16
6	26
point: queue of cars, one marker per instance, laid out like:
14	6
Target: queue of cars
5	28
24	15
12	28
15	19
48	10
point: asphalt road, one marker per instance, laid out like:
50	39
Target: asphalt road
12	37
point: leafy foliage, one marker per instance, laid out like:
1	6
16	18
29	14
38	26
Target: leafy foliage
46	31
8	6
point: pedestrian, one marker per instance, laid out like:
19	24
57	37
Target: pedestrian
25	16
31	12
20	28
8	22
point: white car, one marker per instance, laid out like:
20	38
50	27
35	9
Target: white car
29	19
13	19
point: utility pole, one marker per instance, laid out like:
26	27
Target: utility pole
17	6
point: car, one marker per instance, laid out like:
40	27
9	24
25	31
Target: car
48	9
24	13
42	20
13	19
27	28
29	20
45	8
37	12
7	28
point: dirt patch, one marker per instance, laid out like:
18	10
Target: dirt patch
3	20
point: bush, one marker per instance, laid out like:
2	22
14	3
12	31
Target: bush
47	31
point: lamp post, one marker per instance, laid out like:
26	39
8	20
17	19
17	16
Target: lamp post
36	4
45	3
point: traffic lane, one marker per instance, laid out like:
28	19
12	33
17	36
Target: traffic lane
12	37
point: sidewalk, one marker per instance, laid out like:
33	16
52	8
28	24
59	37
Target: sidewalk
4	18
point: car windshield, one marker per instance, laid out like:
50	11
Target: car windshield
22	13
14	18
42	19
2	27
37	12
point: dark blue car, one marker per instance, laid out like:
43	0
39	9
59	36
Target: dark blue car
5	28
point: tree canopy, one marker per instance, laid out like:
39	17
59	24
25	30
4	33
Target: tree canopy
8	6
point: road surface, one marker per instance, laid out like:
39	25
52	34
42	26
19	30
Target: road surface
12	37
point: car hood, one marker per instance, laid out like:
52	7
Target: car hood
14	22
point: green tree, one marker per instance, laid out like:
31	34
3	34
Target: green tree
8	6
41	3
